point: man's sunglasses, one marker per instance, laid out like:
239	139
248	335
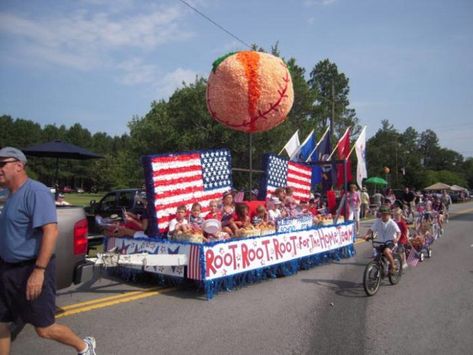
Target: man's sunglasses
3	163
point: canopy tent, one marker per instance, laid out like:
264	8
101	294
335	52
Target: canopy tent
59	149
457	188
438	186
376	181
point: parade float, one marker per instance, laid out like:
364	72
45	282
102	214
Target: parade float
203	176
249	92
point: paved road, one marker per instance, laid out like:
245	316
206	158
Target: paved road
319	311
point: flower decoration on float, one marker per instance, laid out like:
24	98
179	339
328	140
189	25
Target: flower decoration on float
250	91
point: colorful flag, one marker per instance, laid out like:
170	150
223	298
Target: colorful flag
239	196
323	173
412	258
282	173
185	178
360	148
343	149
193	266
306	148
292	145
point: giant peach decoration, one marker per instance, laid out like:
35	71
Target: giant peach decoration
250	91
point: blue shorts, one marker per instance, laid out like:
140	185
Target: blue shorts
13	304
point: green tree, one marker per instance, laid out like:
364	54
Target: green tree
331	92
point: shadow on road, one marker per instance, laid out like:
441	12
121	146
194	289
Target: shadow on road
108	288
341	287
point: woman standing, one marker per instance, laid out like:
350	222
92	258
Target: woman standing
354	203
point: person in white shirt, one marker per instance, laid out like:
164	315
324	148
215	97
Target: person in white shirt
387	231
274	212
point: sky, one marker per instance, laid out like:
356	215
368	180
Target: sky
103	62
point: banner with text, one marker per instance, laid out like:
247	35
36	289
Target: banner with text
134	246
225	259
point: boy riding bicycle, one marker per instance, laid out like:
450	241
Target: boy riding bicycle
387	231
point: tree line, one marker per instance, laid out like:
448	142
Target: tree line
182	123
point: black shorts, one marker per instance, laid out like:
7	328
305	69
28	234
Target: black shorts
13	304
386	245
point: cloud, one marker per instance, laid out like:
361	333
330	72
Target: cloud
134	72
175	79
85	39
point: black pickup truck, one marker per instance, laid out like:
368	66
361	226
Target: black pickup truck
112	203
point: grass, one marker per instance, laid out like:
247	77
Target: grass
82	199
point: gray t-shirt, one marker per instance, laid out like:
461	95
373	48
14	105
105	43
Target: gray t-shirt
23	215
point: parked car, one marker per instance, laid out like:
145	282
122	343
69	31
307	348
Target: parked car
112	203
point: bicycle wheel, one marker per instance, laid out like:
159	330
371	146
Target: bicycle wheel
372	278
395	277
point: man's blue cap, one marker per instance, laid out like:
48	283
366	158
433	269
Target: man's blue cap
10	152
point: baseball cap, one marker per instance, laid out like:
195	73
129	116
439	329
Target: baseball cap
10	152
275	200
384	209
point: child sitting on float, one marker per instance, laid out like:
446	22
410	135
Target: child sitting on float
280	193
179	224
228	209
214	212
260	219
290	203
195	220
241	218
274	210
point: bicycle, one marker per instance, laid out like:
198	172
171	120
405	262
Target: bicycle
378	268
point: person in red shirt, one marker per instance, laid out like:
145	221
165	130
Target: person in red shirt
214	212
404	239
331	201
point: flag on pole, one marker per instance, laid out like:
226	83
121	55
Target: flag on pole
343	147
305	149
292	145
412	258
183	179
282	173
360	147
322	173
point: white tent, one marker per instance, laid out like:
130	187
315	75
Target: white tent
457	188
438	186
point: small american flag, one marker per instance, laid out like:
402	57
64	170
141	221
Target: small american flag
193	266
412	258
186	178
239	196
280	172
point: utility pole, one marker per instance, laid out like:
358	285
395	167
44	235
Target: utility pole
332	118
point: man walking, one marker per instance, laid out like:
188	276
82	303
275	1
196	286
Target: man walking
28	233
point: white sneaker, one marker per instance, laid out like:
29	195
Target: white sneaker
404	266
90	341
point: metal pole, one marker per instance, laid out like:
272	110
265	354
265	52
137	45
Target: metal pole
333	109
57	171
251	164
345	177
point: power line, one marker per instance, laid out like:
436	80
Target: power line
215	23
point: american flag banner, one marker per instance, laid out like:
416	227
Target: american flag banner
183	179
279	172
193	266
412	258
